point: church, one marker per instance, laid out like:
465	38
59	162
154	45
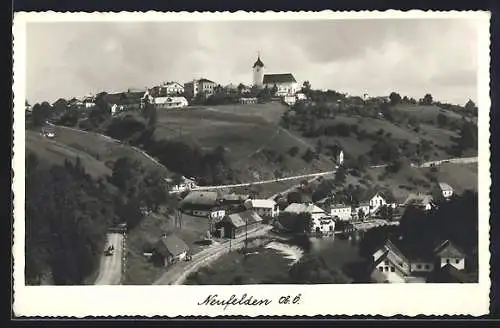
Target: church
285	83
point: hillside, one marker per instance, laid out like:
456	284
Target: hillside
55	152
102	149
256	147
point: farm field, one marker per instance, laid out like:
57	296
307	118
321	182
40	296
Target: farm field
425	112
53	151
101	148
249	138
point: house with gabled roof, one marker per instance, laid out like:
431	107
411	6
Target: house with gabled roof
236	224
449	253
442	191
398	262
169	249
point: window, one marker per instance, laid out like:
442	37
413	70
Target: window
386	269
419	266
447	261
427	266
457	261
381	269
386	262
393	269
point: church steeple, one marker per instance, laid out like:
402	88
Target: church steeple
258	63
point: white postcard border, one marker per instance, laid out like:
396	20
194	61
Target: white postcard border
173	301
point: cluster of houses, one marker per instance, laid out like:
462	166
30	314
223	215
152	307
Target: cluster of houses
175	95
395	263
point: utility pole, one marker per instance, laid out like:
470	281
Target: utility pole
246	232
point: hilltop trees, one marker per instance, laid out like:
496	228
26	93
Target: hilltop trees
41	113
427	100
394	98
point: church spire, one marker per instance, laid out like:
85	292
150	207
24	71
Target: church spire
258	63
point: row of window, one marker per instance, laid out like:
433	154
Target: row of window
386	269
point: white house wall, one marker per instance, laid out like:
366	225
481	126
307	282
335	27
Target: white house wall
458	263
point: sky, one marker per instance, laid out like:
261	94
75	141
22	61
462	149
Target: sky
410	56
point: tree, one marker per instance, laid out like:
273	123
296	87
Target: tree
427	100
293	151
313	269
394	98
340	175
41	113
468	136
470	106
150	113
308	156
306	87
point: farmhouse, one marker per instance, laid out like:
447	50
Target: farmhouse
183	185
263	207
442	191
167	89
170	102
402	263
298	208
169	249
125	101
421	201
323	226
200	203
234	225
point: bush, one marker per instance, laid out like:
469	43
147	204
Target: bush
293	151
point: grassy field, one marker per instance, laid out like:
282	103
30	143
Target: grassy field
352	145
139	269
236	268
423	112
247	132
103	149
53	151
459	176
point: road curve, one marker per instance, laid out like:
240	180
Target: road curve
110	271
178	274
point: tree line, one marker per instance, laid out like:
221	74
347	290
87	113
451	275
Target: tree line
68	214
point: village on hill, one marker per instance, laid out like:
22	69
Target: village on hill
369	171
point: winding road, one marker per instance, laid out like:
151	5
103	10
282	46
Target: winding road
110	270
178	273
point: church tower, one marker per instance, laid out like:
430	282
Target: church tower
258	72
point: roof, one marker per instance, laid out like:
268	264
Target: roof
392	256
166	84
448	249
418	199
444	186
235	197
202	198
340	206
303	208
240	219
278	78
258	62
448	273
171	244
203	80
163	100
124	98
261	203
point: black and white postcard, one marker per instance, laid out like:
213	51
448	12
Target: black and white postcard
312	163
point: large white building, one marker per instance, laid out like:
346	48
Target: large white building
285	83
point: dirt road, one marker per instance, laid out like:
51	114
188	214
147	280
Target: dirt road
178	274
110	271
